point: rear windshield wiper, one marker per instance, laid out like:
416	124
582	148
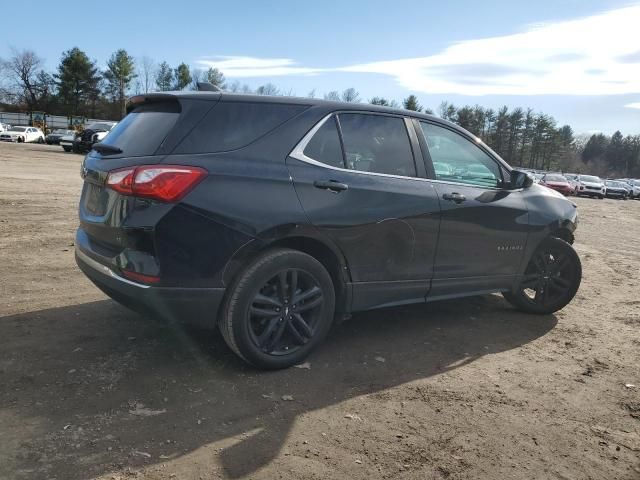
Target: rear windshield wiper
106	149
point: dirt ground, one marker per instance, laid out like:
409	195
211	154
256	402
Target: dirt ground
463	389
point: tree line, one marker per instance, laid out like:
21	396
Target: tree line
521	136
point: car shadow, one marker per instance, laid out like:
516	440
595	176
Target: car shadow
88	387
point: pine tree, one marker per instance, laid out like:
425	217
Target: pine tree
182	77
216	77
119	74
77	79
164	77
411	103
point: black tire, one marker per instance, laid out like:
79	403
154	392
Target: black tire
554	267
259	320
40	140
66	149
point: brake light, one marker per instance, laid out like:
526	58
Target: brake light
140	277
167	183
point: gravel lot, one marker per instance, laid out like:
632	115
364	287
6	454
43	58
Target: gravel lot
463	389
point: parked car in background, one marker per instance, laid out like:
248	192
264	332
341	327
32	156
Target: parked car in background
93	133
4	127
634	187
66	141
270	216
54	137
537	177
572	178
616	189
590	185
557	182
22	135
82	142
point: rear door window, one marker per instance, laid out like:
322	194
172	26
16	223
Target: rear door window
142	131
233	125
377	144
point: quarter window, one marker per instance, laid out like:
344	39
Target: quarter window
377	143
233	125
457	159
325	145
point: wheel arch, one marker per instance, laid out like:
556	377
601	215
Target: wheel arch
330	258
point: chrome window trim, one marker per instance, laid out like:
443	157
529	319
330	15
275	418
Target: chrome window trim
298	152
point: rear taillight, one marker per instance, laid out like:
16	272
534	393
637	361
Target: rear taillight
167	183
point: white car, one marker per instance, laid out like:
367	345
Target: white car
22	135
634	187
591	185
66	141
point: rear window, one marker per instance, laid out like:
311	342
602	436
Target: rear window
142	131
233	125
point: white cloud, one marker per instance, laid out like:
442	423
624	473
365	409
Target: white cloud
633	105
243	67
596	55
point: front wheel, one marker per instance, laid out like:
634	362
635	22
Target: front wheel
66	149
278	309
550	280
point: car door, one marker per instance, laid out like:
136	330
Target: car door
484	226
358	180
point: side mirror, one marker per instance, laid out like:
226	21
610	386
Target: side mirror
520	179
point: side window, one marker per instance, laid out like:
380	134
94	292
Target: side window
457	159
325	145
377	143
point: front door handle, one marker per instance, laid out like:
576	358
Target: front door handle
454	197
330	185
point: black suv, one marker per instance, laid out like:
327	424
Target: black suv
271	216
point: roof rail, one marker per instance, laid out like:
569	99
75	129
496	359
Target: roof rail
207	87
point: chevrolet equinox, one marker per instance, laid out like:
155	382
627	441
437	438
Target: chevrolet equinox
268	217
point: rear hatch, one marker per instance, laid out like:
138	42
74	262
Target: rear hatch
111	222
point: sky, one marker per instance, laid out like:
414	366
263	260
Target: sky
578	60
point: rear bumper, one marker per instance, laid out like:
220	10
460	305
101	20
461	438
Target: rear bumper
193	305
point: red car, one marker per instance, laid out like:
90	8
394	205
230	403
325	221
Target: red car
558	183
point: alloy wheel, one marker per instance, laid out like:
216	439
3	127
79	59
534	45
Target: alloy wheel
284	313
549	278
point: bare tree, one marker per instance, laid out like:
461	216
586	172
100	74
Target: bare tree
22	71
268	89
146	73
234	86
197	76
333	95
350	95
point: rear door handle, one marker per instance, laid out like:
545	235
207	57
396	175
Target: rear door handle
330	185
454	197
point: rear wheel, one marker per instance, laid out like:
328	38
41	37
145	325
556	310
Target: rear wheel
551	279
279	309
66	149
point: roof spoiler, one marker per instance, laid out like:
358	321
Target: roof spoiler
207	87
